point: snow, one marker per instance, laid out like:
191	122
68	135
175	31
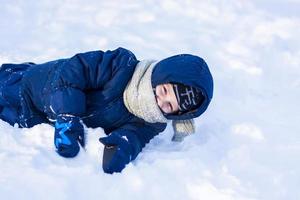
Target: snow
247	144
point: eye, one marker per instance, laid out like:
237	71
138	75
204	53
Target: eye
171	107
165	90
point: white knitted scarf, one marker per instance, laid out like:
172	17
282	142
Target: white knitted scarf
139	99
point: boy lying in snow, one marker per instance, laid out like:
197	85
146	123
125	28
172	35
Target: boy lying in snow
131	100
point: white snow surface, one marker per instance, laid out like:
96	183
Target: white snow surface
247	144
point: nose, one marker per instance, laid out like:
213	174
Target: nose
162	103
159	101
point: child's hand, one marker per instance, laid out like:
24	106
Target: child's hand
68	133
117	152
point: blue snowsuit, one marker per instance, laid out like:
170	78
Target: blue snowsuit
90	86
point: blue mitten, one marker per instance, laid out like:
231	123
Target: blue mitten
119	150
68	133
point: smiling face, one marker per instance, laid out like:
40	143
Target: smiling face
166	99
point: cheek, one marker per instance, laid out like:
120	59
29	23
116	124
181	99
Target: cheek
166	108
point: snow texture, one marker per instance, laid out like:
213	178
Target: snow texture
247	144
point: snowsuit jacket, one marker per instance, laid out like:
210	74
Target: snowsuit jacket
89	85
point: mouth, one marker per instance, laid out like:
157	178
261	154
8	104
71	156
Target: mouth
156	98
155	93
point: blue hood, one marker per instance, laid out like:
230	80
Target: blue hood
189	70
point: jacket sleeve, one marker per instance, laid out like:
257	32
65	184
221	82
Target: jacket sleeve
124	144
140	134
86	71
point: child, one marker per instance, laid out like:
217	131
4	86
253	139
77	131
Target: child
131	100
